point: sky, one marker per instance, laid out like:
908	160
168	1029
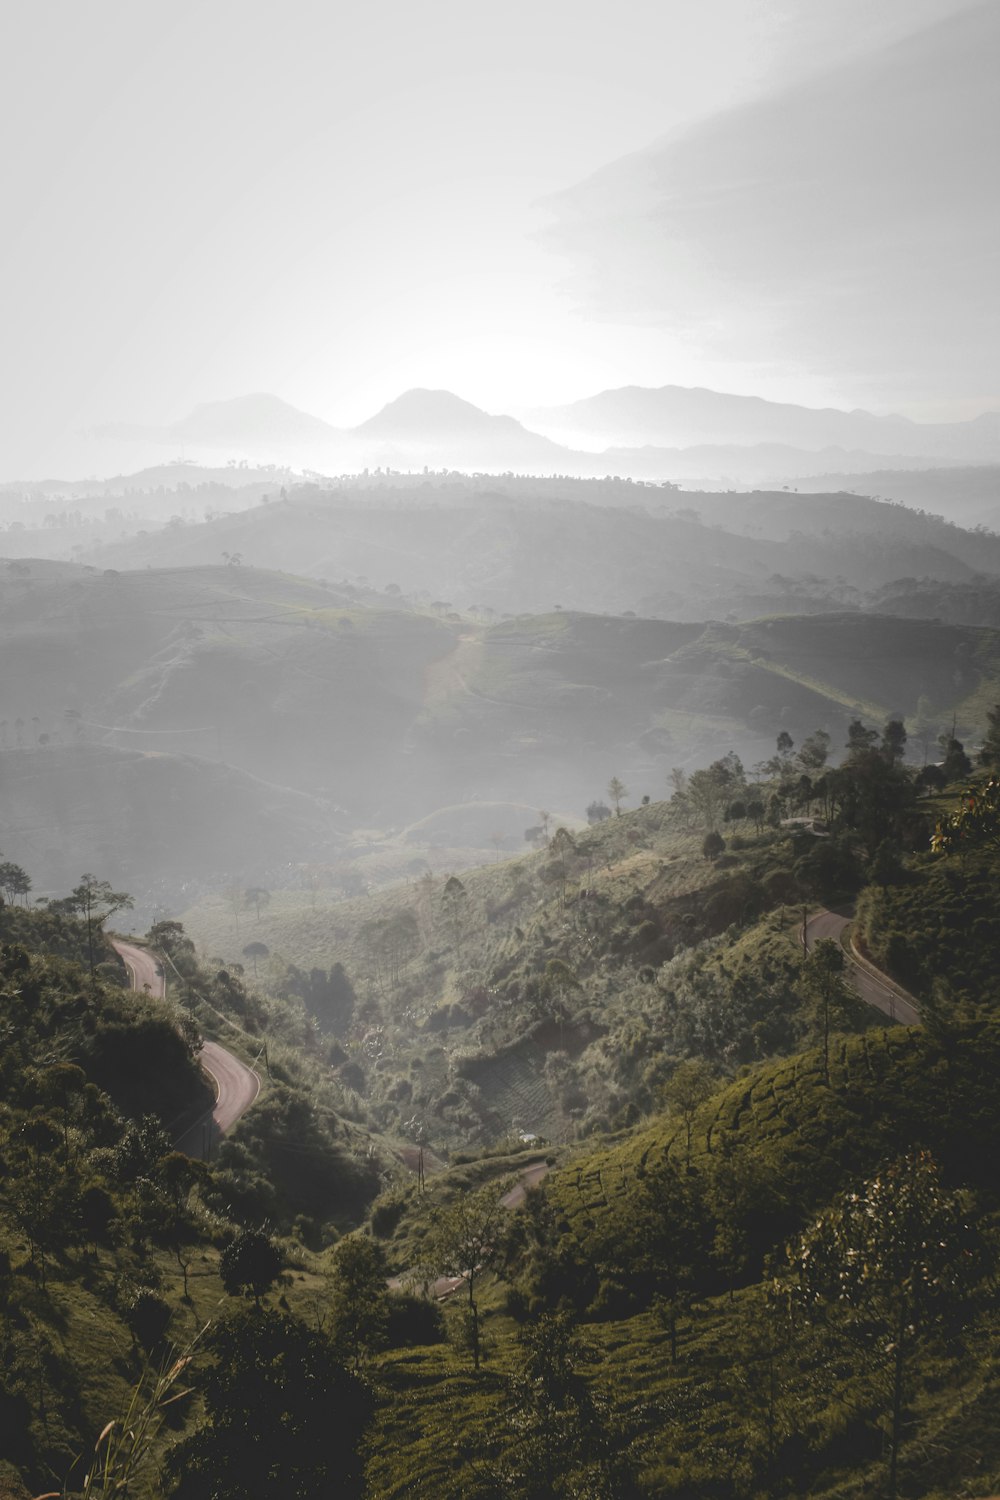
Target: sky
335	202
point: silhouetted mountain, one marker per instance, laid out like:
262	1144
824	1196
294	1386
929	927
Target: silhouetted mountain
673	416
250	419
440	429
257	422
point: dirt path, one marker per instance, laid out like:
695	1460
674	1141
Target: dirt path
873	987
530	1177
236	1086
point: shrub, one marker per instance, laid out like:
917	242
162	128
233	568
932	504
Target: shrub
413	1321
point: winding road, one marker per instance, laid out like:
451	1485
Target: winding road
236	1085
873	987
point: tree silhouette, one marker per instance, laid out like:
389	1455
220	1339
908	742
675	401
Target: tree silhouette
284	1418
250	1265
360	1298
94	902
617	790
464	1241
254	951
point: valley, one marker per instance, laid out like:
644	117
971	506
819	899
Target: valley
478	832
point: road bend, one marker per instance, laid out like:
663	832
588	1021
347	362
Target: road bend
236	1086
873	988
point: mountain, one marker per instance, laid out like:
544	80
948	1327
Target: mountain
440	429
258	422
251	419
673	416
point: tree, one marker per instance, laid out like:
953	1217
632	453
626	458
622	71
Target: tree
94	902
390	943
285	1419
690	1084
250	1265
255	896
455	911
669	1225
360	1298
566	1442
888	1262
254	951
597	812
830	997
712	845
859	738
956	764
710	791
894	741
464	1240
14	882
813	751
617	790
171	939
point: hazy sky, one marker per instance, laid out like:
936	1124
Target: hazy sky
335	201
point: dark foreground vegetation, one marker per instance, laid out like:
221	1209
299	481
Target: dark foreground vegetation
752	1251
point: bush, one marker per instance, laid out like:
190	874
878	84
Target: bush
712	845
385	1216
413	1321
147	1317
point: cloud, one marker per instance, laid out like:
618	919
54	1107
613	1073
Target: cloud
847	224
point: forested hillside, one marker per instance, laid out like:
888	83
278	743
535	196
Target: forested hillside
580	1156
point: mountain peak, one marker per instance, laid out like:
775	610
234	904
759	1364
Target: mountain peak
420	411
259	415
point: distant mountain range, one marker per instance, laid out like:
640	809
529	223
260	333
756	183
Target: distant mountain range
673	416
667	433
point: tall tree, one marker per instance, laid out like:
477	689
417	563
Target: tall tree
617	791
455	911
894	741
14	882
888	1264
464	1241
256	896
832	1002
94	902
690	1084
813	751
360	1298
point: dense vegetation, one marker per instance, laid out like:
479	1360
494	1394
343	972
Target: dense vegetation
756	1251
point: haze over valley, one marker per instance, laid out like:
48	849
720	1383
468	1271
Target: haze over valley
500	751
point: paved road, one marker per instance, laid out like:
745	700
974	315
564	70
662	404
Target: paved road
891	999
144	970
236	1085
